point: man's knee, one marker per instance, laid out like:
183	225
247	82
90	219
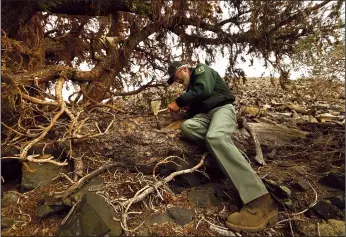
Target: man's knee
187	127
214	137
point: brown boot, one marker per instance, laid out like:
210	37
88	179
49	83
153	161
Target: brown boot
254	216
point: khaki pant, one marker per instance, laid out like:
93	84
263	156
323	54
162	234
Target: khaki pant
215	129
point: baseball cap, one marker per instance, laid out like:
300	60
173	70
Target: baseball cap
172	70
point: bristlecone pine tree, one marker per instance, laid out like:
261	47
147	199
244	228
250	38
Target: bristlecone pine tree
45	41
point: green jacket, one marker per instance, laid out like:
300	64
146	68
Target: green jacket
205	91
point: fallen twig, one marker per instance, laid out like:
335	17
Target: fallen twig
69	213
289	220
221	231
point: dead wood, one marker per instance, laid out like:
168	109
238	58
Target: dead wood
259	155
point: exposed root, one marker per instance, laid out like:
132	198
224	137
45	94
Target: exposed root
63	195
50	160
142	193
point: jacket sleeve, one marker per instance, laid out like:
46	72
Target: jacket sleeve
202	89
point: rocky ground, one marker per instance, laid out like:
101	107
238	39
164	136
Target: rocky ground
301	130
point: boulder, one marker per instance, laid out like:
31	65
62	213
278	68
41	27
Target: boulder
39	175
93	216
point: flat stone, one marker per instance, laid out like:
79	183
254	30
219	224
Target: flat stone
326	210
6	222
280	191
158	219
93	216
331	189
42	174
181	216
300	170
328	195
335	180
333	228
9	198
303	185
339	202
284	164
46	210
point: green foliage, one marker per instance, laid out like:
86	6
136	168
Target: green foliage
140	6
46	5
324	58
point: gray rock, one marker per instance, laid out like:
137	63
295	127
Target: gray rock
181	216
326	210
9	198
6	222
203	198
93	216
335	180
303	185
333	228
280	191
46	210
158	219
42	175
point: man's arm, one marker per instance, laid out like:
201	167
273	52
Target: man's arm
203	88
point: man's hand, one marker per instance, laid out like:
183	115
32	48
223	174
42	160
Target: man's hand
173	107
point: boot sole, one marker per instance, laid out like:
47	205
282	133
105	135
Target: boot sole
269	220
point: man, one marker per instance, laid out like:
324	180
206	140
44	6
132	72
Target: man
210	100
